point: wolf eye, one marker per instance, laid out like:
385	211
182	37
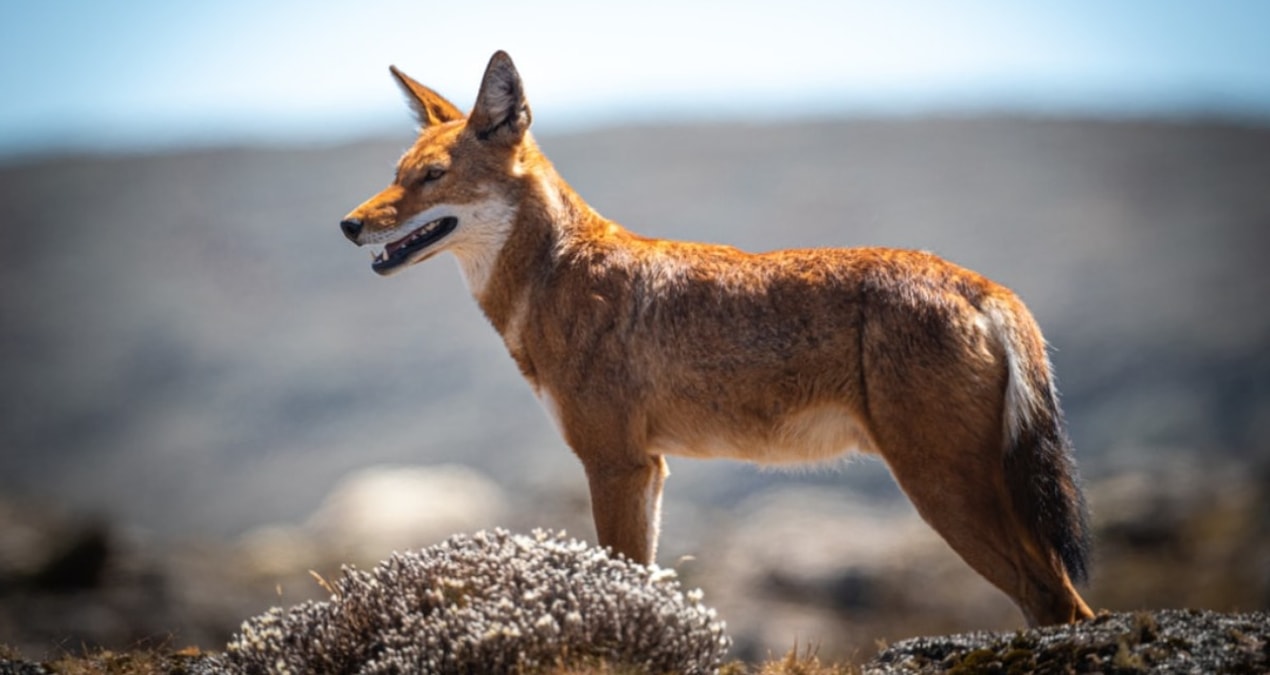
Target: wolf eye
431	175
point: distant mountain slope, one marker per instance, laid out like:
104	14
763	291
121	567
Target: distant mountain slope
189	343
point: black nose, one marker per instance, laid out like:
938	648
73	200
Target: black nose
351	227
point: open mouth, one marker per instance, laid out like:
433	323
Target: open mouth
404	250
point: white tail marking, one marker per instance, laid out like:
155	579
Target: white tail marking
1021	400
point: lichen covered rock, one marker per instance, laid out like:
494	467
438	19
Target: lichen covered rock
1163	641
488	602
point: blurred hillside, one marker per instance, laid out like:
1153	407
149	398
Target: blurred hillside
191	349
189	343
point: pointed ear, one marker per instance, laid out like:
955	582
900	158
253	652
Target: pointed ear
501	113
429	107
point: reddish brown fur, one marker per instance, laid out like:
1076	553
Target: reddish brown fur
644	347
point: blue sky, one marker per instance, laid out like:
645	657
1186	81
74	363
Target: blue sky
146	74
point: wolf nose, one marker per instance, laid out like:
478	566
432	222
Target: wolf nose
351	227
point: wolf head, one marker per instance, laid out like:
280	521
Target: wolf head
455	189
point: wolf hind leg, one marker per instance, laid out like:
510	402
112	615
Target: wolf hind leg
962	496
946	454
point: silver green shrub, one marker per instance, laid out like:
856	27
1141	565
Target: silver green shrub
488	603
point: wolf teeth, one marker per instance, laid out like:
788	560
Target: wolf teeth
423	231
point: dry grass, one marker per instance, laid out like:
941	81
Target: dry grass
108	662
160	662
808	663
795	662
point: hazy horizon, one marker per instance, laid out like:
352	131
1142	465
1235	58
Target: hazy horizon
148	75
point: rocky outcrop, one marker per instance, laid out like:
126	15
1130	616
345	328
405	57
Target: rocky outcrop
1165	641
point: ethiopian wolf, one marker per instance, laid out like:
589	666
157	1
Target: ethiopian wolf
641	348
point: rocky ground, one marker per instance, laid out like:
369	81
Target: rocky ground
1187	642
70	584
1165	641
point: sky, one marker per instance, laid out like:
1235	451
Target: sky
147	74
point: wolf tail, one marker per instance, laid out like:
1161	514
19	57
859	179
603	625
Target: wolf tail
1040	473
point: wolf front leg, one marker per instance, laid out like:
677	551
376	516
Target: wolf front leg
626	505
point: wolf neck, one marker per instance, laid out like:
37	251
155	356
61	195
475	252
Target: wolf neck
549	218
478	248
